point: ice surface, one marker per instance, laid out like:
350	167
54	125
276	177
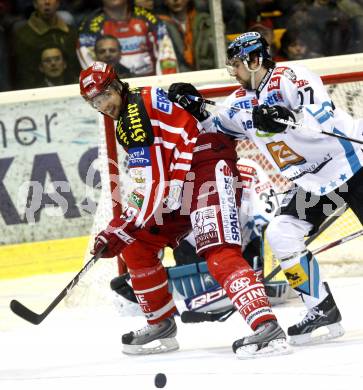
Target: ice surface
79	348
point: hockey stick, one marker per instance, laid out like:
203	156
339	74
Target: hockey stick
196	316
323	248
22	311
328	222
193	317
282	121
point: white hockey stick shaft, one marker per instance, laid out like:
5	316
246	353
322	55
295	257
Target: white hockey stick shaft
282	121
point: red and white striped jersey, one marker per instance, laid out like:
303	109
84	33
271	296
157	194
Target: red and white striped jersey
159	137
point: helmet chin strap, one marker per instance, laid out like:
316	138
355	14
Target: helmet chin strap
253	71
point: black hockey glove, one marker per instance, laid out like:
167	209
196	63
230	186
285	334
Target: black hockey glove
177	94
264	118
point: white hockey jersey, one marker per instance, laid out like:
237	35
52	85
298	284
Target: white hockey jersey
259	201
314	161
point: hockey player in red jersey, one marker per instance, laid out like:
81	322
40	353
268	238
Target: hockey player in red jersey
184	178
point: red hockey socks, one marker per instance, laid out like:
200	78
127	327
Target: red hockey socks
151	289
241	284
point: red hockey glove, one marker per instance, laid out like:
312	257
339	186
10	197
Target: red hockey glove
116	237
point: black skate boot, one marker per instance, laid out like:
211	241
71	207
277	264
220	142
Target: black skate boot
269	339
326	314
156	338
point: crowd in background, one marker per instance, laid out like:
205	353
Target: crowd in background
47	42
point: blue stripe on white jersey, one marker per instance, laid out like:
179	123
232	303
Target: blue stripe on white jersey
322	115
350	153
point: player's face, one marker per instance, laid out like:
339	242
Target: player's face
237	69
109	103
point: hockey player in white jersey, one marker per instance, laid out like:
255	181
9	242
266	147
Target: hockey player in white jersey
326	170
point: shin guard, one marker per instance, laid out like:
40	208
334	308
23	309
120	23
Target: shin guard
151	290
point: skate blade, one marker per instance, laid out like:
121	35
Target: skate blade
274	348
332	331
156	346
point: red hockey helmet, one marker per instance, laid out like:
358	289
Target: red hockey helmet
95	79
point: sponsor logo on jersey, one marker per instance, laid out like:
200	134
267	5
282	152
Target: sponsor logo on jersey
205	227
160	101
274	83
280	70
240	93
247	124
133	44
273	98
263	187
301	83
227	201
283	155
137	133
136	199
286	71
139	157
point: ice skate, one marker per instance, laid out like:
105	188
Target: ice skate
325	317
268	340
157	338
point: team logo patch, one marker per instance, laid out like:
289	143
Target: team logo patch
296	275
283	155
205	227
139	157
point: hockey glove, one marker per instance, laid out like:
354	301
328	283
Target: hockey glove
264	118
178	94
116	236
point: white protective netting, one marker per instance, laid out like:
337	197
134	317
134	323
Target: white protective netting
343	260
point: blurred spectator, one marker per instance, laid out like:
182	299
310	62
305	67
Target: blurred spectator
108	49
329	31
4	56
293	47
191	33
147	4
80	8
268	34
43	28
354	9
53	68
234	16
145	44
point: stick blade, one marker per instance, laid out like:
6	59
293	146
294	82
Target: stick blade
26	314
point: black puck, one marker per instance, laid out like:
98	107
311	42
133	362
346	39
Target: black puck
160	380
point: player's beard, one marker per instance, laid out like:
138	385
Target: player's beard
245	84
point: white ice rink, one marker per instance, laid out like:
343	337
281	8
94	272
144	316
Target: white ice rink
80	349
